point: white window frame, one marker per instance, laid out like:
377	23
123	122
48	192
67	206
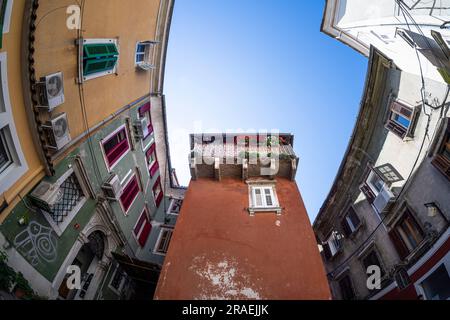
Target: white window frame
146	64
334	250
103	73
122	283
161	231
136	237
19	166
254	208
60	228
171	205
128	177
151	137
7	18
445	261
102	141
372	187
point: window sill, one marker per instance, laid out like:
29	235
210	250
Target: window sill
254	211
144	66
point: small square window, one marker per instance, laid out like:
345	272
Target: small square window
144	55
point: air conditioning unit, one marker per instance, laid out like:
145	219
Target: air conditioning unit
384	198
112	188
141	127
51	91
46	195
57	132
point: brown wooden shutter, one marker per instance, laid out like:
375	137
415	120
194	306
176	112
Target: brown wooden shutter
401	248
439	161
402	109
396	128
370	196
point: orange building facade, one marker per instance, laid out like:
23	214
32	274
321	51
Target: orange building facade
243	233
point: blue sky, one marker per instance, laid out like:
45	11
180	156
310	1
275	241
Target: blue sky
260	64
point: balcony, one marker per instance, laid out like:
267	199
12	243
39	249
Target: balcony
243	156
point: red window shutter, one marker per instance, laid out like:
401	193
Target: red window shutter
145	233
145	108
150	150
401	248
129	193
160	196
138	227
119	149
154	169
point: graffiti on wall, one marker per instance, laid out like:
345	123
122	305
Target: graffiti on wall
38	243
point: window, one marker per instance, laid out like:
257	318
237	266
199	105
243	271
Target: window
60	207
175	206
142	229
163	241
5	18
130	193
152	161
263	198
157	192
402	278
442	158
372	259
144	55
351	222
116	146
401	119
346	287
406	235
119	281
332	246
377	191
12	160
5	155
437	285
144	112
100	57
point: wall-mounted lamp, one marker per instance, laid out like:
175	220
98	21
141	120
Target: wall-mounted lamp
433	209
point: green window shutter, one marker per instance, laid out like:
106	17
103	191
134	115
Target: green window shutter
97	50
99	65
3	4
